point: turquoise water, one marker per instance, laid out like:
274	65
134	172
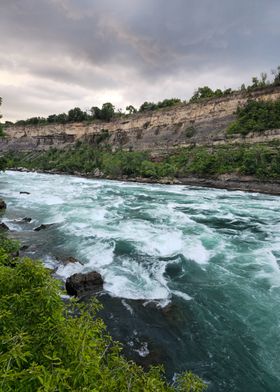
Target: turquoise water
191	275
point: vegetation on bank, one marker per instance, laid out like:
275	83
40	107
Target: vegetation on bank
47	344
256	116
259	160
107	112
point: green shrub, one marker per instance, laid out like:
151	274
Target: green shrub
256	116
49	345
260	160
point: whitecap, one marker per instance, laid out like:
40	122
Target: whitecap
180	294
127	306
143	351
133	280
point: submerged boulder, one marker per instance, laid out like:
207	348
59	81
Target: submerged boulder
43	227
3	205
68	260
26	220
78	284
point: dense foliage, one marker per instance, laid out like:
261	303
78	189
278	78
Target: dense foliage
106	113
147	106
50	345
207	93
256	116
257	83
3	163
262	161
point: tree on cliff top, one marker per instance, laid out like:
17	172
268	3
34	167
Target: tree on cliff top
106	113
131	109
76	115
1	129
276	74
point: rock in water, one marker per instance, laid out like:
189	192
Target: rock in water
24	247
3	205
70	260
79	283
26	220
43	227
4	227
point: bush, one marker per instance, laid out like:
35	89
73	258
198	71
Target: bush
49	345
256	116
262	161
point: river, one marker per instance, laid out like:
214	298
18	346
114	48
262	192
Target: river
192	275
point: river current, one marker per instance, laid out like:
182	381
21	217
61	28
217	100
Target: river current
192	276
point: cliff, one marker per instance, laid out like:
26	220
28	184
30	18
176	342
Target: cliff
160	131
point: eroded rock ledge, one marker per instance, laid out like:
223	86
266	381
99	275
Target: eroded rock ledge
159	131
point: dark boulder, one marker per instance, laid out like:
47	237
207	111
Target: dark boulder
24	247
26	220
3	205
4	227
43	227
78	284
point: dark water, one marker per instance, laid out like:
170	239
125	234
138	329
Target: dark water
192	275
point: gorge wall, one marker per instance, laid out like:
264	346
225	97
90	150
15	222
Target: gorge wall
159	131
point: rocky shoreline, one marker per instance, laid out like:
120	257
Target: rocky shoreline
77	284
84	286
232	182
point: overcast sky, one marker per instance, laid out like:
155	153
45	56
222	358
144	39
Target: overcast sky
58	54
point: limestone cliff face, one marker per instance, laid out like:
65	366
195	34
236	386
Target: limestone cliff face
159	131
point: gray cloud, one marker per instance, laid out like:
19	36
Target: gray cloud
56	54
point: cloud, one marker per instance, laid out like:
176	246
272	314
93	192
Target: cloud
56	54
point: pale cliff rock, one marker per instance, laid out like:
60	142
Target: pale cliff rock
160	131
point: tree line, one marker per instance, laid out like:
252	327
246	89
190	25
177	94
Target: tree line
259	160
107	112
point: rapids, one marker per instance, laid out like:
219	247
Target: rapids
192	275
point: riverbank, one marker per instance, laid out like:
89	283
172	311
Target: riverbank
224	181
246	168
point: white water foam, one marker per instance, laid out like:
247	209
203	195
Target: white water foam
96	214
180	294
143	351
127	306
132	280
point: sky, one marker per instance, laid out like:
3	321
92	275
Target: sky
59	54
